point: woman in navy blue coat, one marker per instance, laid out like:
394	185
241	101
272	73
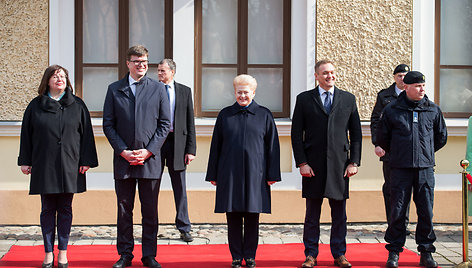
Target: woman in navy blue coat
244	161
57	147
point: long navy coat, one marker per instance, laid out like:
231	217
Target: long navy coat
56	139
244	156
327	142
140	122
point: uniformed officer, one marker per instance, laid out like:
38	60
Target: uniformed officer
412	129
384	97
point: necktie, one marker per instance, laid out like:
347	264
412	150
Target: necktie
327	102
135	84
167	89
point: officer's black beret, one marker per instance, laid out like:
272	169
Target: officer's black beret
401	68
413	77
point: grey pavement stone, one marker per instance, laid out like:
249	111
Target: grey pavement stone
291	239
199	241
102	242
83	242
368	240
272	240
177	242
324	238
25	243
163	241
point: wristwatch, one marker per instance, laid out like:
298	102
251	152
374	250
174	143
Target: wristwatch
354	164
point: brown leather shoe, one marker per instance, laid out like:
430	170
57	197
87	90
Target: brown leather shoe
309	262
342	262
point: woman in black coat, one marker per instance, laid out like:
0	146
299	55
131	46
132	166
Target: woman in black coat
244	161
57	147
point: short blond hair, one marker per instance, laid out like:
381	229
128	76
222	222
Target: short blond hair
245	79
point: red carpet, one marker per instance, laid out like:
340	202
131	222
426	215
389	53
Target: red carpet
199	256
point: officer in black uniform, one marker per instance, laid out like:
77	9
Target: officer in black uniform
412	129
384	97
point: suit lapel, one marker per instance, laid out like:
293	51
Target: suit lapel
336	99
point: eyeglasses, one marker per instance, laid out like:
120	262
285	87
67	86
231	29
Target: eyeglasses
139	62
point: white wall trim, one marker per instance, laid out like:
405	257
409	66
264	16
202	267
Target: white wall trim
62	35
423	42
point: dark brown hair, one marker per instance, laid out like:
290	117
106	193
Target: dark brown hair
321	62
138	50
48	73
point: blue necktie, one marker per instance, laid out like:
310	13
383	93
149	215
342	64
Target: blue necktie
167	89
327	102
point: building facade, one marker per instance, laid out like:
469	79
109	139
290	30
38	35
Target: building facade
276	41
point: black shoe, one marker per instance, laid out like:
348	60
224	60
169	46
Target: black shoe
186	236
62	265
392	261
48	265
427	260
150	262
122	262
251	263
236	264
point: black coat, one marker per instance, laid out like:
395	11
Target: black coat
184	126
244	156
140	122
384	97
412	144
56	139
328	143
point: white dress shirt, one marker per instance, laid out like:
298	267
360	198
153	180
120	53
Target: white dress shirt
323	96
171	94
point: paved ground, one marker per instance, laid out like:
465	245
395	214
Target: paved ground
448	244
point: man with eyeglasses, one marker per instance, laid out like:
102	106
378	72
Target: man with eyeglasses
136	121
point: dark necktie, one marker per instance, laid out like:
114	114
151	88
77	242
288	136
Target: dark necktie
327	102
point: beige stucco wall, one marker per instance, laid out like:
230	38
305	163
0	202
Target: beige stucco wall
24	49
366	39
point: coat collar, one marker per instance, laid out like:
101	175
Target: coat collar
125	86
404	103
51	105
236	108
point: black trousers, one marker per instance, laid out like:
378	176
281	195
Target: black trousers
243	234
52	205
311	227
177	178
386	193
421	180
148	195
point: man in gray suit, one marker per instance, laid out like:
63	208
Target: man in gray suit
179	148
136	121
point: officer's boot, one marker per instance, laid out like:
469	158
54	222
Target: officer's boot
392	261
427	260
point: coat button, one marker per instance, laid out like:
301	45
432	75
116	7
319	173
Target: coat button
59	142
62	107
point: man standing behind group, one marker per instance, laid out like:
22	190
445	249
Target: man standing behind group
179	149
412	129
136	121
326	140
384	97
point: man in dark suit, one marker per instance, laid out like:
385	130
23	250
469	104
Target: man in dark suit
136	121
179	149
384	97
326	140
